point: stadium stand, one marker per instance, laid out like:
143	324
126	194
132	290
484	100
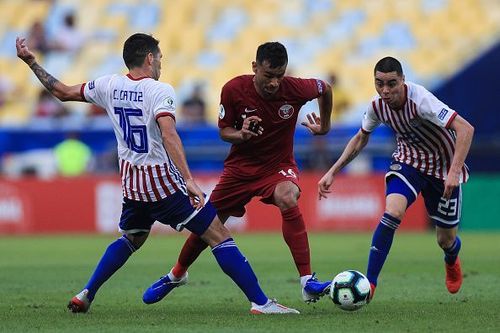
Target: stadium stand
213	40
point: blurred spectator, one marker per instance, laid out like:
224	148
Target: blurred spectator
37	38
48	106
73	157
341	99
96	111
319	157
69	38
193	111
6	89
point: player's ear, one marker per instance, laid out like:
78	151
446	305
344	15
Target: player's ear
254	67
150	58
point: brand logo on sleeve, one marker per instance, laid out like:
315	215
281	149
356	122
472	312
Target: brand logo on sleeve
320	86
442	114
222	112
91	85
169	104
286	111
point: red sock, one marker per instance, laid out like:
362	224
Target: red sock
295	234
192	248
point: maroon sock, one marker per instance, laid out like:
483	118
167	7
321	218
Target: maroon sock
295	234
192	248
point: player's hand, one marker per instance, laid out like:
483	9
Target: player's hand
314	124
452	182
251	127
196	195
324	185
23	52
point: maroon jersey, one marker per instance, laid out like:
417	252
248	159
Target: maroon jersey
263	154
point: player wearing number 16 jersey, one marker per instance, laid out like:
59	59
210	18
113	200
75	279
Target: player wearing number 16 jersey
258	115
156	181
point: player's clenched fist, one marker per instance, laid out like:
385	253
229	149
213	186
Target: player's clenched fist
251	127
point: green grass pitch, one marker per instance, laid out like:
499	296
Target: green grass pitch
38	276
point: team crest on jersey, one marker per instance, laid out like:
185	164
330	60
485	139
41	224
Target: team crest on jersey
415	122
169	104
286	111
222	112
396	167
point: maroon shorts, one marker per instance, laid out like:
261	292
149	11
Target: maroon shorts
231	194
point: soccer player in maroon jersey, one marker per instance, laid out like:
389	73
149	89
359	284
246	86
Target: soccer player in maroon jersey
258	114
432	144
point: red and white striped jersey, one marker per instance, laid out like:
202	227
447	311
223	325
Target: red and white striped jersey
424	139
134	105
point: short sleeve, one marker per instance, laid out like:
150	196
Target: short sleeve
370	120
432	109
308	89
165	101
226	112
95	91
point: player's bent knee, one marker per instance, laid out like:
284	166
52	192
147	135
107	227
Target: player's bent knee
215	233
396	213
445	241
137	239
286	201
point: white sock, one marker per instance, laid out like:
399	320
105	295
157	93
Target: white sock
303	280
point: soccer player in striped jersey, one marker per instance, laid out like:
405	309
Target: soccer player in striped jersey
432	144
156	180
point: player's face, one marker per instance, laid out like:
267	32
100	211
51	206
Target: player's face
156	65
267	80
390	87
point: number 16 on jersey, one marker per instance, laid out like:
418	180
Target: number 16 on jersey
134	135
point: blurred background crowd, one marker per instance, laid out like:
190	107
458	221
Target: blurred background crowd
450	46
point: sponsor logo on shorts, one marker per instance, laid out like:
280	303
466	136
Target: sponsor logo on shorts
396	167
442	114
286	111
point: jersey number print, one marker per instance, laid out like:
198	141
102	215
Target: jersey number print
134	135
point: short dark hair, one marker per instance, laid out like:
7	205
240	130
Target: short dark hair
273	52
387	65
137	47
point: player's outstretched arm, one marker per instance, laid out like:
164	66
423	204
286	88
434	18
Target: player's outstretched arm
173	145
325	104
321	125
465	132
53	85
355	145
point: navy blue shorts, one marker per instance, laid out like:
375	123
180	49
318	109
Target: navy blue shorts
175	210
408	181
